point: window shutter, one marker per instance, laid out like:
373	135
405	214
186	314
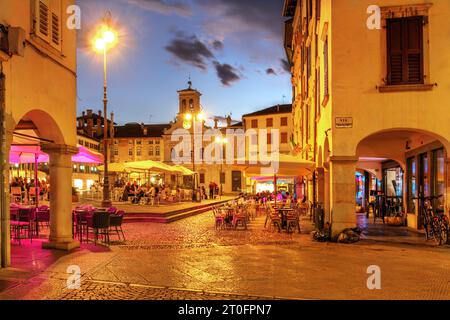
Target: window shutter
55	39
325	68
414	48
405	50
42	10
395	51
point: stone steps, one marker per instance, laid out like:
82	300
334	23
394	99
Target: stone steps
170	216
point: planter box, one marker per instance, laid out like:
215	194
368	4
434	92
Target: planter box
395	221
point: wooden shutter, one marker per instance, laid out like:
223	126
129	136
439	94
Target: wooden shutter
55	39
405	50
395	51
414	49
43	27
325	68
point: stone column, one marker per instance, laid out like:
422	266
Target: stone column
342	178
60	197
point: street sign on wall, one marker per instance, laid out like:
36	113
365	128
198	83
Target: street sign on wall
344	123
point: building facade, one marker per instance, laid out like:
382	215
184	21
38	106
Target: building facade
38	103
371	98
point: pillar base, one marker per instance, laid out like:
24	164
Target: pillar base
65	246
338	227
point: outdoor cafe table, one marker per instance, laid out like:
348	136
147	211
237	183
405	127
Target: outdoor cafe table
284	212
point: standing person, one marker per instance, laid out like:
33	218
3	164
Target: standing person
204	195
211	190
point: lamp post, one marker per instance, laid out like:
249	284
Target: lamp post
222	142
190	121
105	39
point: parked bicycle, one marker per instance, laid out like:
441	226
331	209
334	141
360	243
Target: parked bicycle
434	220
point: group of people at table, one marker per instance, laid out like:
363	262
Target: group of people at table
149	193
282	214
23	190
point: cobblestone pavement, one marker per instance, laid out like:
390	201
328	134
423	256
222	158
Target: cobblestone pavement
189	259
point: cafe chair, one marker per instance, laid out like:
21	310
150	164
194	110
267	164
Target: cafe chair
115	224
99	223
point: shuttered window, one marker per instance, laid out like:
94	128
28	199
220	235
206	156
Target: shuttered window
48	21
405	50
325	69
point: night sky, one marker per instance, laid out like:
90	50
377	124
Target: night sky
231	49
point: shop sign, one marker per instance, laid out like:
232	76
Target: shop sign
344	123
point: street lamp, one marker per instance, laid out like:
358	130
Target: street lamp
105	39
222	142
190	120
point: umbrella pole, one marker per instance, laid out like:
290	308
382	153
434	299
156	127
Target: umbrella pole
36	186
275	188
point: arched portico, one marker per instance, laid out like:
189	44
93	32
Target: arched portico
38	128
372	152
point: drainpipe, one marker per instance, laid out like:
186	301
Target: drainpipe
4	232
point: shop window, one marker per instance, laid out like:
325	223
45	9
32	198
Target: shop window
438	176
412	184
202	178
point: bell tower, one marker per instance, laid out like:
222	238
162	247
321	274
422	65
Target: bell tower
189	101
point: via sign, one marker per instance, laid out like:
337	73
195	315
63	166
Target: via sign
344	123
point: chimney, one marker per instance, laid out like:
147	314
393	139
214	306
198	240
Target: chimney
90	124
99	124
229	121
278	108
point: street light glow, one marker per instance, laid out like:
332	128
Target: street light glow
100	45
188	117
200	117
106	38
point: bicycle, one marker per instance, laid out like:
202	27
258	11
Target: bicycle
435	221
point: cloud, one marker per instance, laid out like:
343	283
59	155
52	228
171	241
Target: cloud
226	73
286	65
231	16
191	50
217	45
166	7
271	72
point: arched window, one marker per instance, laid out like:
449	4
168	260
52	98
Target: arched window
183	106
191	104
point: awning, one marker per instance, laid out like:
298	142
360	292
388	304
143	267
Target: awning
152	166
184	171
286	165
27	154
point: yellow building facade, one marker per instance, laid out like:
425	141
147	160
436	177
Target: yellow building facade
371	86
38	66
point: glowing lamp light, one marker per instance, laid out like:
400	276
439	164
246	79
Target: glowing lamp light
200	117
152	180
109	37
188	117
100	44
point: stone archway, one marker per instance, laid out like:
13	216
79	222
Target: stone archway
397	146
38	128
